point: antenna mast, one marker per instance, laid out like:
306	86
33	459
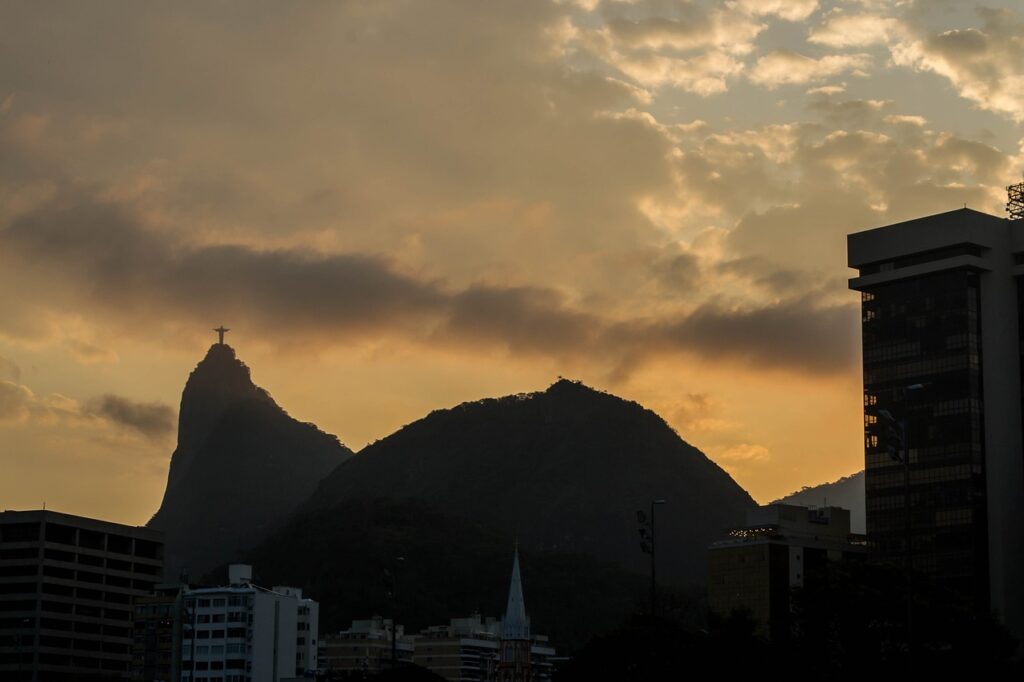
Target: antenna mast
1015	201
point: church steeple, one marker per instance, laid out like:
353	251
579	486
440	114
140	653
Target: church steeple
514	662
516	624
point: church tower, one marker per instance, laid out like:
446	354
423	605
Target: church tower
514	661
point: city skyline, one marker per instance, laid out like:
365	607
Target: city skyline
400	207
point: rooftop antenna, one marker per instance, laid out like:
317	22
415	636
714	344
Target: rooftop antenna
1015	201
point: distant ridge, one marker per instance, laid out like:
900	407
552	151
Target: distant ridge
847	492
564	469
242	465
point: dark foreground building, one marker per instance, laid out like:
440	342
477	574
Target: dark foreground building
941	303
782	547
157	634
66	590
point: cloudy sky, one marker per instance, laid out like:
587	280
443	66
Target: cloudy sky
401	205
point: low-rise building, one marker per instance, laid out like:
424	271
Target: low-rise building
476	649
365	647
468	649
756	567
156	634
464	650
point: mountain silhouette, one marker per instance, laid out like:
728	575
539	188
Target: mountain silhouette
562	470
847	492
242	465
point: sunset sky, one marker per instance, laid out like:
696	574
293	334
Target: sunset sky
397	206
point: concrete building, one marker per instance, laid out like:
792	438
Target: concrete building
488	649
66	589
782	547
307	625
156	634
244	633
468	649
464	650
365	647
941	305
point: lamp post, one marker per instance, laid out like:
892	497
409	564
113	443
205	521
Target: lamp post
647	545
391	583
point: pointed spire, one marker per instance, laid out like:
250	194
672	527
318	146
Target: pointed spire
516	624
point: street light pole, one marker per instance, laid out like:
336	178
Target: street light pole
647	545
394	612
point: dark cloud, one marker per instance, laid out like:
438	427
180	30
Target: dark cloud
144	273
680	272
105	258
523	319
768	276
19	403
796	334
153	420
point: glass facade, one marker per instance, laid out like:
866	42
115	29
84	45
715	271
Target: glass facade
922	364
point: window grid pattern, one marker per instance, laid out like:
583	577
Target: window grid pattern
926	332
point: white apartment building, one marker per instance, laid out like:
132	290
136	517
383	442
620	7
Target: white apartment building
244	633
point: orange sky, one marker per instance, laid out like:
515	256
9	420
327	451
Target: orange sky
398	206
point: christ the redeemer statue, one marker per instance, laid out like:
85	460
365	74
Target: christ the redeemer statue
220	331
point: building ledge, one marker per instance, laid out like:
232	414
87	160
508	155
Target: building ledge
913	271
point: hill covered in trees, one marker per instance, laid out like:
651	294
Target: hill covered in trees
564	470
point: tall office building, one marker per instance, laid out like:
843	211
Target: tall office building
66	590
941	302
